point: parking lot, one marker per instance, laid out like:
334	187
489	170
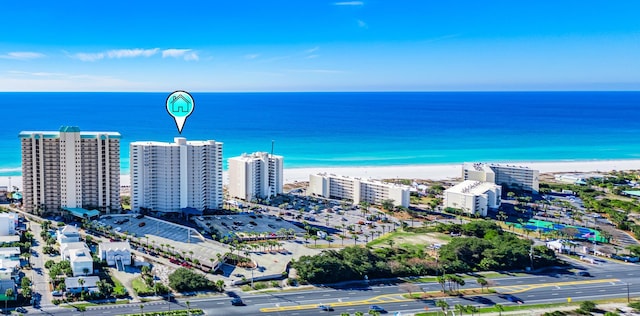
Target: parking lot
147	226
247	224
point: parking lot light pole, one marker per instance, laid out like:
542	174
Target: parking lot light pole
628	296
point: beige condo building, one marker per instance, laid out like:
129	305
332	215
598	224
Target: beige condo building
70	169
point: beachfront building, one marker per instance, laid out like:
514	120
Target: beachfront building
70	169
508	176
473	197
176	177
357	190
255	176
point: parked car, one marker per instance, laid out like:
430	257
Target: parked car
174	261
142	224
584	274
138	216
57	293
21	310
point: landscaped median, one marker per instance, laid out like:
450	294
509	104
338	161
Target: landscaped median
179	312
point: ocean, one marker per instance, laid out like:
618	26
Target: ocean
350	129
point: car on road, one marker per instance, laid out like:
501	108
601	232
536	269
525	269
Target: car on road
377	308
584	274
56	293
236	301
511	298
21	310
326	308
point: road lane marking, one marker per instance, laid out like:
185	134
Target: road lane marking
395	298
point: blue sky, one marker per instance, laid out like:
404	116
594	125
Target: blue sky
311	45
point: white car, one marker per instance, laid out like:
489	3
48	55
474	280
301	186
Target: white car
118	229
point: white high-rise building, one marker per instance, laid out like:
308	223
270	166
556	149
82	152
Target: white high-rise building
256	175
169	177
513	177
473	197
357	190
70	169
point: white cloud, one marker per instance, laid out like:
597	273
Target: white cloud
186	54
22	55
352	3
362	24
311	50
130	53
116	54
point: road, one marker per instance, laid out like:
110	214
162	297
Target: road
609	280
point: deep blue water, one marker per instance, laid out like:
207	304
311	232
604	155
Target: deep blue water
345	129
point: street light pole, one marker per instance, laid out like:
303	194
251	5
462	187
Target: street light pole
628	296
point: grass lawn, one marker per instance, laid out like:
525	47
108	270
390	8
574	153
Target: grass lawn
139	285
508	308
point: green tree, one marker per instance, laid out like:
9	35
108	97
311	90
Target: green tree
587	306
460	308
483	283
499	308
443	306
387	204
8	293
185	280
471	309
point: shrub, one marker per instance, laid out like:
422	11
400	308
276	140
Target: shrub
185	280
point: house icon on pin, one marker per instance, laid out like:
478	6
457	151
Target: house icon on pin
180	104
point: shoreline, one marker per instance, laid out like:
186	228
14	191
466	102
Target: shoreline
445	171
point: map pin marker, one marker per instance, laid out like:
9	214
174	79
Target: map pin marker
180	105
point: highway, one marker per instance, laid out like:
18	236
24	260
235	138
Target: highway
608	280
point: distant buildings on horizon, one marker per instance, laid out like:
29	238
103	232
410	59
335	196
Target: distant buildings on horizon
357	190
508	176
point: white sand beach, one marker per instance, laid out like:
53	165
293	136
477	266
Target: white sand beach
432	171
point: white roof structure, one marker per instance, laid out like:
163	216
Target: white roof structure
9	251
114	246
472	187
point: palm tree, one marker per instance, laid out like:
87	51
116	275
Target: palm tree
441	280
8	293
443	305
471	309
141	310
460	308
81	282
482	282
188	308
499	308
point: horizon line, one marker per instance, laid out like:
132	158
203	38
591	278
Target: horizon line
332	91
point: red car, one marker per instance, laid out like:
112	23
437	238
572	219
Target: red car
185	264
174	261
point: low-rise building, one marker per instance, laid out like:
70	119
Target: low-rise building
81	262
8	223
10	253
88	283
357	190
112	252
67	248
67	234
473	197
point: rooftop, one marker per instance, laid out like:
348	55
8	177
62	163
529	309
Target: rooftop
89	281
112	246
68	129
369	181
472	187
255	155
178	141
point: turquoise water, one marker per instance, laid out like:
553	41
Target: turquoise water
351	129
